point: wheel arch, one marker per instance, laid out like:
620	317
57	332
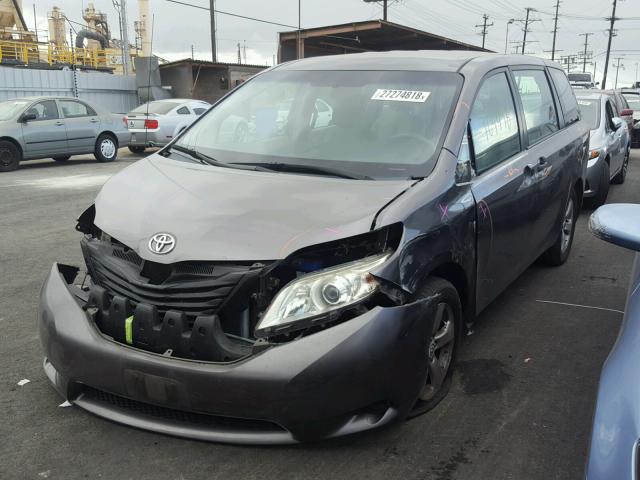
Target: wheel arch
15	142
111	134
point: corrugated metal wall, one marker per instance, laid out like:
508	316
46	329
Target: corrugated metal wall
115	93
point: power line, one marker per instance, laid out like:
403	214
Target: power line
232	14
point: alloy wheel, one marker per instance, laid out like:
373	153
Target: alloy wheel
440	350
567	225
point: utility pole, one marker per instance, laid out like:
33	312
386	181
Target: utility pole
586	46
611	34
212	13
298	40
484	26
555	31
527	21
384	10
617	70
244	50
239	55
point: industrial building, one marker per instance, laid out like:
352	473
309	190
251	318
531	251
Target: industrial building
202	80
367	36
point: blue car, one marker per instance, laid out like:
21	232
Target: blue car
613	453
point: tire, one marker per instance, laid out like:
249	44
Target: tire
10	156
622	174
106	149
62	158
559	251
603	189
137	150
439	359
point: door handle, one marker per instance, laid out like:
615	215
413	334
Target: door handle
59	123
94	120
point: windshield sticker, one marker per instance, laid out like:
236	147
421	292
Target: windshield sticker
584	102
415	96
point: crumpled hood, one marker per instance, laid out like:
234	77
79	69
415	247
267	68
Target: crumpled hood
225	214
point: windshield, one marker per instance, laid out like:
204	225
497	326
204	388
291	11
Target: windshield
157	108
633	99
10	109
579	77
590	109
379	124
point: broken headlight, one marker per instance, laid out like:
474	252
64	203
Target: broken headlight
321	292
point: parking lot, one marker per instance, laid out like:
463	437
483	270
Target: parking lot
520	406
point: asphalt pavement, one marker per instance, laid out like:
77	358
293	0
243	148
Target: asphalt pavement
520	406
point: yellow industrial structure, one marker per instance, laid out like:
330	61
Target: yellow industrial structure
93	48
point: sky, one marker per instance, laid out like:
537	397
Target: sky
179	28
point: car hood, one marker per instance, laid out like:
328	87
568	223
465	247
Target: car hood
228	214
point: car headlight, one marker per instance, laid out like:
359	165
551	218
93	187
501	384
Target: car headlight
319	293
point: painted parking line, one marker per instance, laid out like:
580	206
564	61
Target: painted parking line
73	182
581	306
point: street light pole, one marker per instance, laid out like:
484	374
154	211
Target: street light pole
506	38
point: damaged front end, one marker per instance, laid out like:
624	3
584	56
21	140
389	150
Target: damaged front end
226	311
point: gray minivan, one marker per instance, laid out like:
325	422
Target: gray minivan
57	127
313	277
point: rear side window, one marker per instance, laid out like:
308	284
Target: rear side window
184	111
494	125
71	109
199	110
539	108
567	98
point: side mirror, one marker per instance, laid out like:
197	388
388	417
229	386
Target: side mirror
27	117
617	223
617	122
626	112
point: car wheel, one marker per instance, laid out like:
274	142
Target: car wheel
622	174
559	252
106	148
137	150
603	189
10	156
441	342
62	158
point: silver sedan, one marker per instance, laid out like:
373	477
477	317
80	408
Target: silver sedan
156	123
608	146
57	127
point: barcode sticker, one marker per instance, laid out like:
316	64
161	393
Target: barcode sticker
415	96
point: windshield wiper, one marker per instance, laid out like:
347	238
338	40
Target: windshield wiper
312	169
207	160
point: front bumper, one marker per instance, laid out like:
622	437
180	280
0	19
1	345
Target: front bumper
594	177
355	376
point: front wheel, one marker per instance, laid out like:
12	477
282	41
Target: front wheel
106	149
559	252
9	156
622	174
441	342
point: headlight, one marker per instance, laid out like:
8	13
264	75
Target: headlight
321	292
594	154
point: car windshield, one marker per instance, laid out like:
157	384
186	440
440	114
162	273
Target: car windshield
9	109
579	77
378	124
590	109
156	108
633	99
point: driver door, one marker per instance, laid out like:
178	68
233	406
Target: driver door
504	188
47	134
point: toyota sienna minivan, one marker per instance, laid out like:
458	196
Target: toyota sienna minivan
312	277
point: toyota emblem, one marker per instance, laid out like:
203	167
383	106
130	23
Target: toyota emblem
162	243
